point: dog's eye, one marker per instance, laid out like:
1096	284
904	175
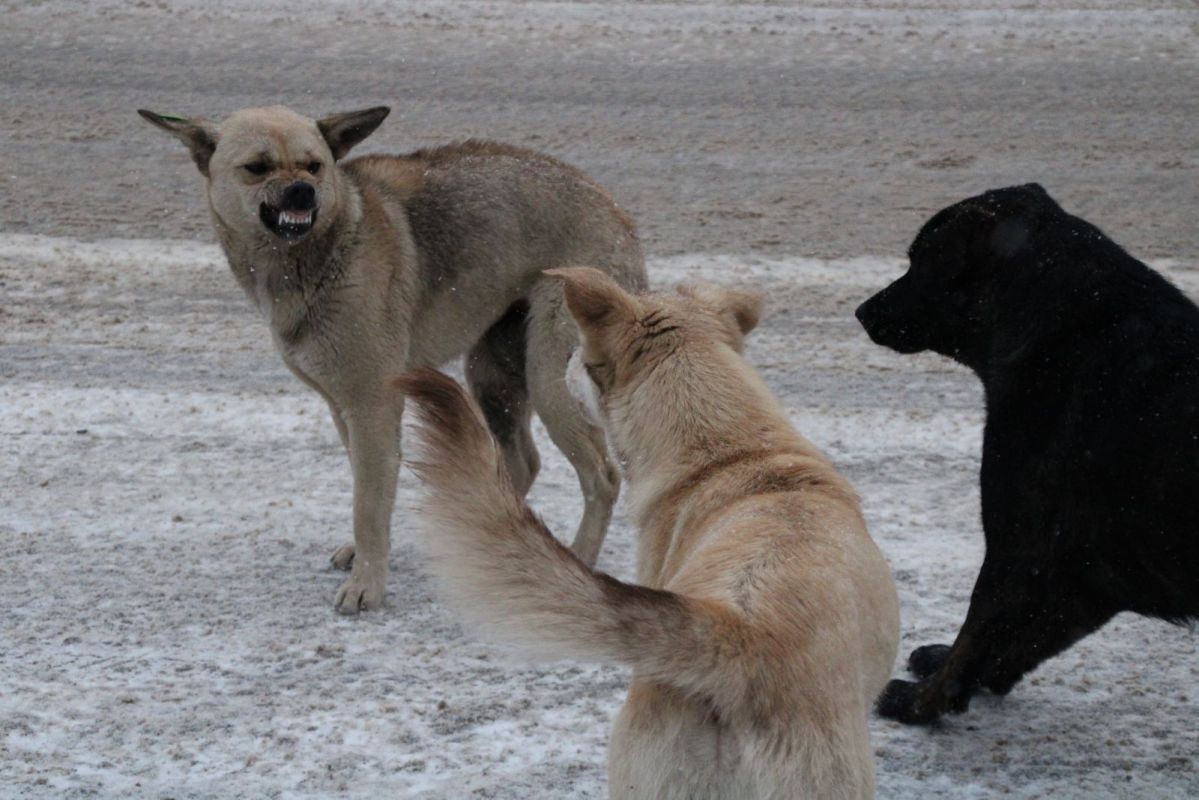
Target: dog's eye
314	167
257	168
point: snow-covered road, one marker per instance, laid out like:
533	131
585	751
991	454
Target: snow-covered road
169	496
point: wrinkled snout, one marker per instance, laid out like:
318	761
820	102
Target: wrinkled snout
299	196
294	215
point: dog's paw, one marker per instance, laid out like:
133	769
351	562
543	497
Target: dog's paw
924	661
900	701
343	557
359	593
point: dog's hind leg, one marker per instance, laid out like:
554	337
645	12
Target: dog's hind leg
552	337
495	373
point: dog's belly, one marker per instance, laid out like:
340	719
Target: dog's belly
452	322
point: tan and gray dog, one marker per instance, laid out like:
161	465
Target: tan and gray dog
370	267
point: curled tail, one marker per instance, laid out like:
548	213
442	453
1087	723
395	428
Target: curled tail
503	570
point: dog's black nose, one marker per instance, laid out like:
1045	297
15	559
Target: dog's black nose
299	196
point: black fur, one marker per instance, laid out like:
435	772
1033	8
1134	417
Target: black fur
1090	467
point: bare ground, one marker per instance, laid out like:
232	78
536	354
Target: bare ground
833	130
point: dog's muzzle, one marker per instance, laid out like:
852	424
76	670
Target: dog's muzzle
885	328
296	213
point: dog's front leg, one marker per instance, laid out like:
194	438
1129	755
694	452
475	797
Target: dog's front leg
343	557
999	606
374	443
1017	619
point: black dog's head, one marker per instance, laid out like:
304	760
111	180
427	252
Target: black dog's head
958	263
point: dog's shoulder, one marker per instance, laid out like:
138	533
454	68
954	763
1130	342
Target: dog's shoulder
397	177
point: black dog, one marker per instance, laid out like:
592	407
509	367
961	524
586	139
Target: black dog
1090	467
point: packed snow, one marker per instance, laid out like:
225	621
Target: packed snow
172	496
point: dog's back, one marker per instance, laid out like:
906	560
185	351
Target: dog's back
482	220
1100	400
794	685
467	200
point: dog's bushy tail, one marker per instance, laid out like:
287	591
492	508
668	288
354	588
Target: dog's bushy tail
504	571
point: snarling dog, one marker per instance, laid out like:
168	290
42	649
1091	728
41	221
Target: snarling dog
368	267
1090	464
764	621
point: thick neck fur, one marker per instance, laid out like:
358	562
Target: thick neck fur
288	282
704	427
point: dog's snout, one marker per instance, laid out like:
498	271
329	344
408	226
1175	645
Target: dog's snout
860	312
874	319
299	196
870	314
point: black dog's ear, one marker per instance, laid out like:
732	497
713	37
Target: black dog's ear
197	134
1003	221
987	228
343	131
961	231
1012	236
1020	212
1034	190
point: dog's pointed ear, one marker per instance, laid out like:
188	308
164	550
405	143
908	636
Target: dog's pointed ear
199	135
740	308
745	308
593	298
343	131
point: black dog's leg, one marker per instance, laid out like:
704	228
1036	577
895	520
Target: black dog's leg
926	660
955	678
1067	619
1007	669
1015	622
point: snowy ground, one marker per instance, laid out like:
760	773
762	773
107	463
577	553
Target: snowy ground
170	497
169	494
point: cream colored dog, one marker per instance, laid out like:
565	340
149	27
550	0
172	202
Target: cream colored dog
368	267
766	621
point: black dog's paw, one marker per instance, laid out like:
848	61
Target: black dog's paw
900	702
924	661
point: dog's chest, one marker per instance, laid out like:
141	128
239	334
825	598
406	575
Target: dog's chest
288	316
287	313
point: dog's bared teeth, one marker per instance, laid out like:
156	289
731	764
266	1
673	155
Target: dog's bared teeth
295	217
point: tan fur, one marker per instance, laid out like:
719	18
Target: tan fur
766	620
414	260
